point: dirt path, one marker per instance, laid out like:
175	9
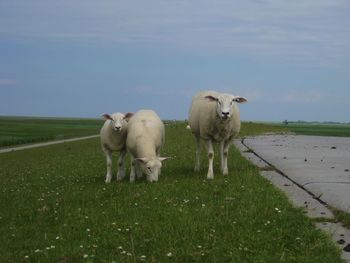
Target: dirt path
24	147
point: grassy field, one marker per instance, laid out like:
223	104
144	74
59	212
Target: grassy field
55	207
22	130
341	130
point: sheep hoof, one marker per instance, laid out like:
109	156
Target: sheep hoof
210	176
120	176
108	179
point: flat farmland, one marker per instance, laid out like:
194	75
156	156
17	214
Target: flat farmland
340	130
55	207
24	130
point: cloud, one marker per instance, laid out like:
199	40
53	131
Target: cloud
7	82
314	96
313	31
161	91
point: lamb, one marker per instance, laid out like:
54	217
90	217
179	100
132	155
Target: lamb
113	138
214	117
145	138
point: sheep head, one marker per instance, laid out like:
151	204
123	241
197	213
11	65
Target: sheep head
151	166
224	104
118	120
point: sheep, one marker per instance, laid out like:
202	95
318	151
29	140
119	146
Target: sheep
214	117
145	137
113	138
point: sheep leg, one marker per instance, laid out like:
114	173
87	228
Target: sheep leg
225	154
198	155
132	171
158	155
109	165
221	152
121	166
210	174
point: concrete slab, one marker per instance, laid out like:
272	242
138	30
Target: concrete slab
320	164
238	144
340	235
299	198
256	160
249	155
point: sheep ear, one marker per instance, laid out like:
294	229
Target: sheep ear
141	160
128	115
163	158
240	99
211	98
106	116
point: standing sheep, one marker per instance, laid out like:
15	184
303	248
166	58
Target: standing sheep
113	138
214	117
145	138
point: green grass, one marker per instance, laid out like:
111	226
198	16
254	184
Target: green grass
55	207
253	129
341	130
22	130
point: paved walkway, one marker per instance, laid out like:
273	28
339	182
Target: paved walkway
319	164
313	171
18	148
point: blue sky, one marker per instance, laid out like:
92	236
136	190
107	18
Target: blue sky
290	59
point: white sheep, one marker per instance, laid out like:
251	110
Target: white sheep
214	117
113	138
145	138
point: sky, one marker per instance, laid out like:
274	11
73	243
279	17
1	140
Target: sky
74	58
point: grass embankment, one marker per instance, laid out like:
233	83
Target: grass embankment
22	130
55	207
339	130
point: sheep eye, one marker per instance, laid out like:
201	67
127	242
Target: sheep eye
149	168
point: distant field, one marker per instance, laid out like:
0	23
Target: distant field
22	130
55	207
341	130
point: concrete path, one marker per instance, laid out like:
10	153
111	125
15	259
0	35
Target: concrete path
319	164
313	171
18	148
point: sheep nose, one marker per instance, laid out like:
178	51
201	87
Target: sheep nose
118	128
225	114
